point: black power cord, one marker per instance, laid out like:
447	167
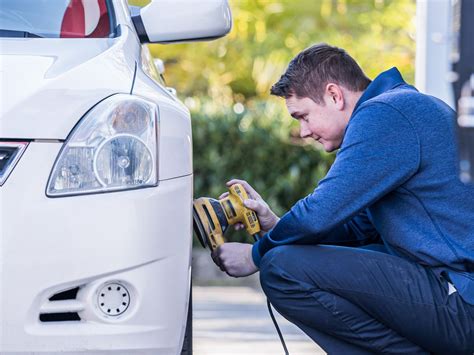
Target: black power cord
277	327
280	335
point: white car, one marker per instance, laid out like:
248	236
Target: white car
96	177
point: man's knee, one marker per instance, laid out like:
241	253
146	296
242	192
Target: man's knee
271	273
288	271
276	254
276	260
280	279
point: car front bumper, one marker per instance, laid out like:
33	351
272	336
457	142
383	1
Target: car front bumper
140	240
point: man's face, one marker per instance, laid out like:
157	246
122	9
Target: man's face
323	122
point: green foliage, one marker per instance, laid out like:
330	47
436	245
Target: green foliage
138	2
266	35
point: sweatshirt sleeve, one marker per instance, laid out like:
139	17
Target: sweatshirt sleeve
380	152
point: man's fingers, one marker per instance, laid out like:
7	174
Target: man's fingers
250	190
256	206
215	255
234	181
225	194
215	259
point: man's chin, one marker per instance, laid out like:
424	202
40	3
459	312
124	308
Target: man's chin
328	148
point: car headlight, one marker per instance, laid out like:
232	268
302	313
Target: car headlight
114	147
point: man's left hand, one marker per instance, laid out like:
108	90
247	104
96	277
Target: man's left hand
235	259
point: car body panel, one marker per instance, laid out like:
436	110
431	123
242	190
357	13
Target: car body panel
47	85
47	246
175	136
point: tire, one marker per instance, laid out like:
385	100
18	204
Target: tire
188	336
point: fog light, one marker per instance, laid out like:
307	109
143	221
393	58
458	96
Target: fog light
113	299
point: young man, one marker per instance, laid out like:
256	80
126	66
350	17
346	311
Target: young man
380	257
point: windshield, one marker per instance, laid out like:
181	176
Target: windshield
56	18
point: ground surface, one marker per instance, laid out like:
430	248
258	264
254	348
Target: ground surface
235	320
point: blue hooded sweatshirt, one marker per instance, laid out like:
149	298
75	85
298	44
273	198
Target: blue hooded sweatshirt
395	177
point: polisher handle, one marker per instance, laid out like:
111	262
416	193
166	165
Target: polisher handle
248	217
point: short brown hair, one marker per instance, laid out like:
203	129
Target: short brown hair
312	69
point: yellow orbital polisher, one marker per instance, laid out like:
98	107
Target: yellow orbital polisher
212	217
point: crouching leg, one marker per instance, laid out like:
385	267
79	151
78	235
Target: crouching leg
320	288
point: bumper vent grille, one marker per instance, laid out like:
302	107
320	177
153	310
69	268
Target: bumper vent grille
10	153
62	307
65	295
59	317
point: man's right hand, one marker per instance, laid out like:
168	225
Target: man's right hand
267	218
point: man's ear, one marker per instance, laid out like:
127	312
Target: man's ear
335	95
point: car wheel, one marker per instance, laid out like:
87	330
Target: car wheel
188	336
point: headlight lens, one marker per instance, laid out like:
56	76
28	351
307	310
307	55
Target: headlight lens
123	159
114	147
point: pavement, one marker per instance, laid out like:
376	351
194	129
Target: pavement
235	320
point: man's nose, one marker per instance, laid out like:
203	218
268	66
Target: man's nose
304	131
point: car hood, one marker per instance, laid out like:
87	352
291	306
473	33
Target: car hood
47	85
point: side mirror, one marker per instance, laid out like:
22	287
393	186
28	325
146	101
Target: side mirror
168	21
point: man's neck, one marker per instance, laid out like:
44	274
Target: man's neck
351	99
